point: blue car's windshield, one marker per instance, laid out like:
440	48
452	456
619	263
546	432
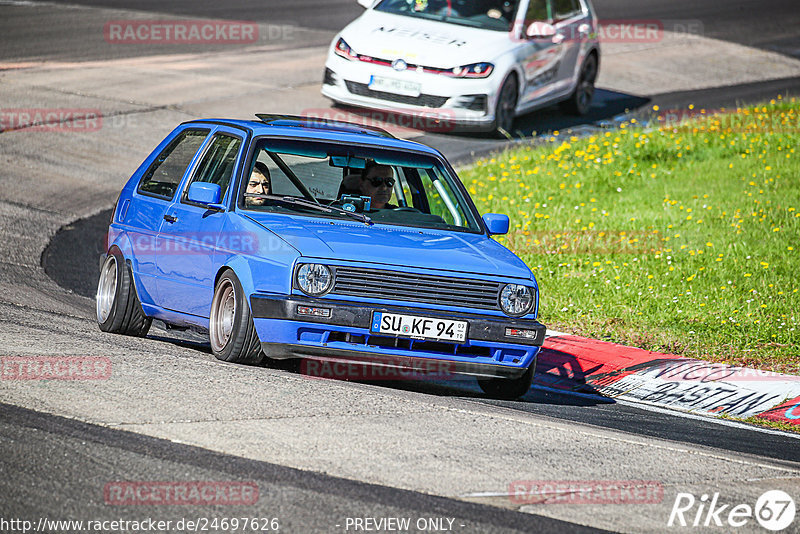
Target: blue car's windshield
385	186
485	14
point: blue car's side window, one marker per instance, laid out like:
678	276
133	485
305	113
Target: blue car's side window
217	164
166	172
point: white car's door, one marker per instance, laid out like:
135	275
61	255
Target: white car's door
541	53
573	25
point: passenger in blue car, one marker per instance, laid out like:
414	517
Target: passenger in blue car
377	182
258	184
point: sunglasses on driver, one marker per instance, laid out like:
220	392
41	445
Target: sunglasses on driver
377	181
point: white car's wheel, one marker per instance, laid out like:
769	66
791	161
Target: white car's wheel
506	107
580	100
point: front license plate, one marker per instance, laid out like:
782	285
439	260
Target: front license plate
419	327
392	85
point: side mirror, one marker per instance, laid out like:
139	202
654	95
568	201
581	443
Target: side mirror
366	4
207	194
540	30
496	223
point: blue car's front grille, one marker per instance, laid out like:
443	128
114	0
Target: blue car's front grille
404	286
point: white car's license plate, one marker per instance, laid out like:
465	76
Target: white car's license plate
419	327
392	85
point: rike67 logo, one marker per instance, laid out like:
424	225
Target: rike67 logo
774	510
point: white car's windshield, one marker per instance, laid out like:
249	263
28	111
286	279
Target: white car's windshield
379	185
486	14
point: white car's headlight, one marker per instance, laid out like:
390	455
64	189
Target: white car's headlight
343	49
314	279
516	299
474	70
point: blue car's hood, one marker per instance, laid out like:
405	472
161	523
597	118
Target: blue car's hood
395	245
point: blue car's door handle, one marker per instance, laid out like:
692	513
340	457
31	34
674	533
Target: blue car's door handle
170	218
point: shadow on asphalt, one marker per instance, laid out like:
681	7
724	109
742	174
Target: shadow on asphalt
72	258
539	394
606	105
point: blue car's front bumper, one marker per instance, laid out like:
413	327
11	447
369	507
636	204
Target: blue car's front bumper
344	335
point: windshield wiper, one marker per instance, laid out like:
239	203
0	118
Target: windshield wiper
331	209
295	201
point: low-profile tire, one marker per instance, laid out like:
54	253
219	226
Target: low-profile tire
505	109
231	330
117	304
580	100
508	388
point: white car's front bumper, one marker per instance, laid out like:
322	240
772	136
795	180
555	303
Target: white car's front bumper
465	103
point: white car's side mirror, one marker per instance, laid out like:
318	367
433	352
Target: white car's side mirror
366	4
539	30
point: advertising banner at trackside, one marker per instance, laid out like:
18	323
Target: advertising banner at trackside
788	412
580	364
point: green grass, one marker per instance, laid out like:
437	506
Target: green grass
765	423
682	239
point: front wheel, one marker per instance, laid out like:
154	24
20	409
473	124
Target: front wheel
508	388
231	330
506	108
117	304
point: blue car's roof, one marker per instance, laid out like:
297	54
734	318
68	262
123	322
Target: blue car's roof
309	128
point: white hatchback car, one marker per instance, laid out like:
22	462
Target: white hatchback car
475	64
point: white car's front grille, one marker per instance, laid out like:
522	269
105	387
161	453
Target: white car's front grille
428	101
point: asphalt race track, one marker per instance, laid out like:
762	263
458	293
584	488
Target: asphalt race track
308	501
321	452
80	270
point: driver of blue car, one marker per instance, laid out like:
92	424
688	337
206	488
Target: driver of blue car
377	182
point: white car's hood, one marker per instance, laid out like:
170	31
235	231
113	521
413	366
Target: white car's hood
423	42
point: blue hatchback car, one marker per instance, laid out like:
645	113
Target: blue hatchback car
288	237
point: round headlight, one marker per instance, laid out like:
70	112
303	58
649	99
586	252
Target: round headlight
314	279
516	299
